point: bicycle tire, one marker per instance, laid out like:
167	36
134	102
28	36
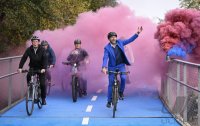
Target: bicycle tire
39	99
48	87
74	88
30	100
115	99
63	86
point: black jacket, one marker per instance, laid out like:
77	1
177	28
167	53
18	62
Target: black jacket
37	61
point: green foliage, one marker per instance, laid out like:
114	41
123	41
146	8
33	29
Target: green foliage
20	18
96	4
190	4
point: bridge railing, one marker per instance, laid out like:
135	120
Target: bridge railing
12	84
180	90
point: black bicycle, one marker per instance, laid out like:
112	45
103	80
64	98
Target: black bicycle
33	95
115	89
48	83
75	80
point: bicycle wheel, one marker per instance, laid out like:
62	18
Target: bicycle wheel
48	87
63	86
74	88
115	99
30	100
39	99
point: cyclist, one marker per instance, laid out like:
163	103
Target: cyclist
38	61
79	56
115	56
51	58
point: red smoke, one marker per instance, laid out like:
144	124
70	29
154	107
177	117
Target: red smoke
180	25
92	29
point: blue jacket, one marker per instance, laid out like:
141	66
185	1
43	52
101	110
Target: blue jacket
50	56
109	55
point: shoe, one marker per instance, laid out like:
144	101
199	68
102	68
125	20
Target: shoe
44	101
108	104
84	93
121	96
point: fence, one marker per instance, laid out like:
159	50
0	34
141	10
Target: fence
12	84
180	90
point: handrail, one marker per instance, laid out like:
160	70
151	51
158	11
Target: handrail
8	58
182	83
186	62
8	75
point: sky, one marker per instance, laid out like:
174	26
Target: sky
151	8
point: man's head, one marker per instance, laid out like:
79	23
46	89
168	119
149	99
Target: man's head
77	43
45	44
35	41
112	37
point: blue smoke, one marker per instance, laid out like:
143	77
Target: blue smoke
181	50
177	51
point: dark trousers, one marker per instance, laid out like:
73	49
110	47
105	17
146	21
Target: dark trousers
111	78
48	75
42	83
83	84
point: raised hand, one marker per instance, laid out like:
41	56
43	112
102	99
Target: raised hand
139	30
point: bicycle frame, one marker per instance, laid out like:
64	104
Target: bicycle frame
115	89
33	93
75	80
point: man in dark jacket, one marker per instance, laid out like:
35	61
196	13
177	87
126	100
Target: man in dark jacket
80	56
38	61
51	59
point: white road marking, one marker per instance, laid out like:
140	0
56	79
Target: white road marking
89	108
99	91
94	98
85	121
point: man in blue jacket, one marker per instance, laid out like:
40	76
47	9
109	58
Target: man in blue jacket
51	59
115	57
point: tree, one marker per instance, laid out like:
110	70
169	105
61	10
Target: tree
190	4
20	18
96	4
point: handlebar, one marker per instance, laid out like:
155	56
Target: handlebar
119	72
31	71
69	63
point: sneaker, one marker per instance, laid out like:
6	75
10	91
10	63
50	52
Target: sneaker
44	101
85	93
108	104
121	96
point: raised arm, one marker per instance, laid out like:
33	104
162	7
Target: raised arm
132	38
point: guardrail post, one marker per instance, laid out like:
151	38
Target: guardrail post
169	85
22	86
198	96
178	65
185	91
178	78
10	84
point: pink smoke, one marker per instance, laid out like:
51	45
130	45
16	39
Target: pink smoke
180	25
92	29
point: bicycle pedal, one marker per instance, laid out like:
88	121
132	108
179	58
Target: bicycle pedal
35	101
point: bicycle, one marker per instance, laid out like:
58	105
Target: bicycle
115	88
75	80
47	83
33	95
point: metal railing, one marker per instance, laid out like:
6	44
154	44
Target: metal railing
180	90
12	84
